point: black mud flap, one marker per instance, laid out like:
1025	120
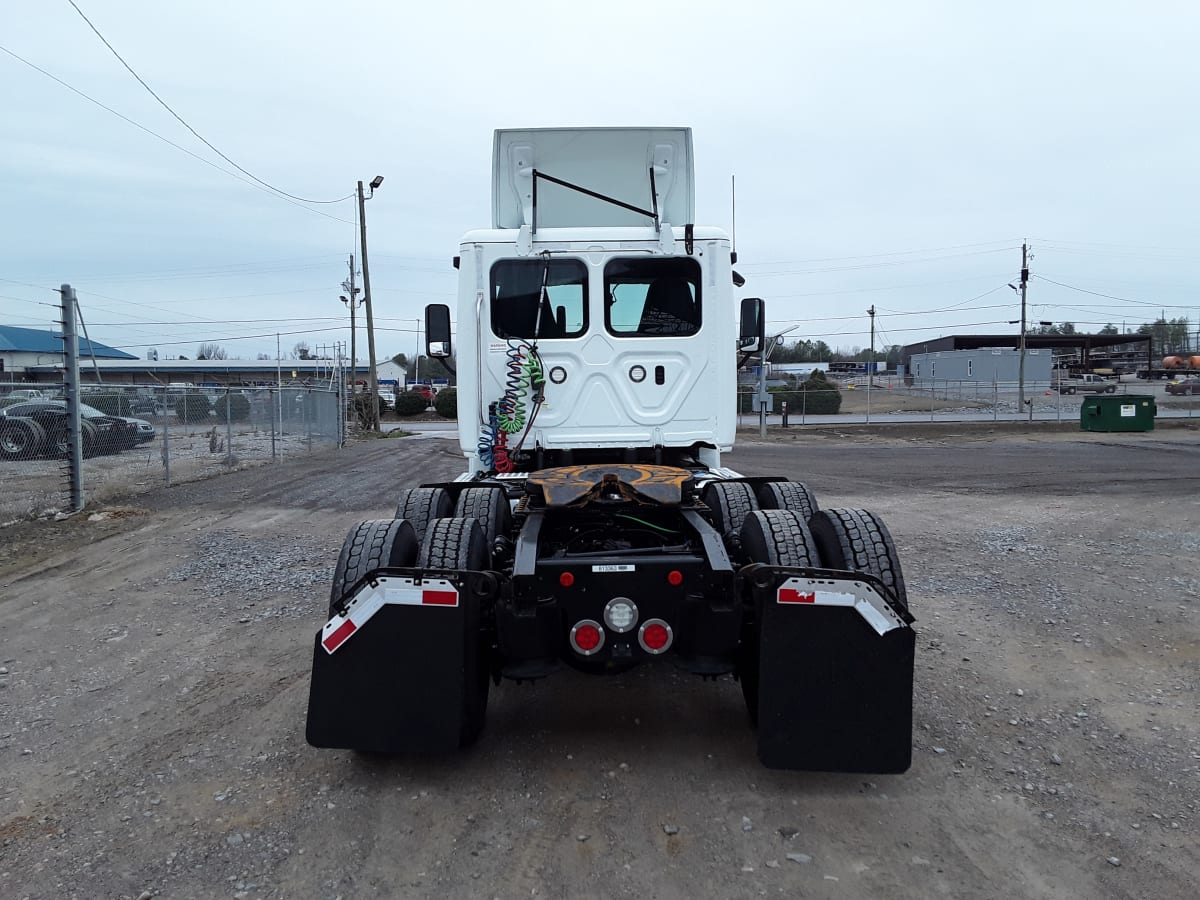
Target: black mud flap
396	686
835	694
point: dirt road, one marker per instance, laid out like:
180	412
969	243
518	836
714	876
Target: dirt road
154	666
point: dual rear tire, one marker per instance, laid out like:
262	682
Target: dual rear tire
456	543
844	539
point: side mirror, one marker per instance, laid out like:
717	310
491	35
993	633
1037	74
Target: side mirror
437	331
750	334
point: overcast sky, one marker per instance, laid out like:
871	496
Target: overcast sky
886	153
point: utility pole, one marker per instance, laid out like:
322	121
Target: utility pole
871	362
362	225
1024	289
352	302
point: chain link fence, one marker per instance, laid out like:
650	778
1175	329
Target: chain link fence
135	437
894	399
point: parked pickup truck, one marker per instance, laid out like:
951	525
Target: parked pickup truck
1094	383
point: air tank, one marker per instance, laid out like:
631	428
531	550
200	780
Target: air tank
1174	362
1194	362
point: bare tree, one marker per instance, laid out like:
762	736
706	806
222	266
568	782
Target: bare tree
301	350
263	356
211	351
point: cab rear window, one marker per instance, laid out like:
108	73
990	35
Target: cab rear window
652	297
521	309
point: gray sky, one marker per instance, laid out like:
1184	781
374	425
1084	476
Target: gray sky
885	153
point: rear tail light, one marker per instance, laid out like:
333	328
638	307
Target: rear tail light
655	636
587	637
675	578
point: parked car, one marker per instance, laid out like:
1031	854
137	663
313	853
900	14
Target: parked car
24	394
1185	386
40	428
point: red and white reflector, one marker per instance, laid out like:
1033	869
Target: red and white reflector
864	598
385	591
587	637
655	636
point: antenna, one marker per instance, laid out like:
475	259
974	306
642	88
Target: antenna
733	203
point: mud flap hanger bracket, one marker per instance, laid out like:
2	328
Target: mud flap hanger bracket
866	593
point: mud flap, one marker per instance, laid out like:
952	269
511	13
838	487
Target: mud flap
835	694
397	686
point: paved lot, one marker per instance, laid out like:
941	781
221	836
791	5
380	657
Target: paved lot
154	666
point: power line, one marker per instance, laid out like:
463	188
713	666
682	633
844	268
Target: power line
888	253
217	340
182	122
880	265
155	134
1149	303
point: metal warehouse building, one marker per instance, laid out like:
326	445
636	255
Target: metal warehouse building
997	357
987	364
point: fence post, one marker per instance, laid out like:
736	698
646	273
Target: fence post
271	394
166	445
228	429
71	386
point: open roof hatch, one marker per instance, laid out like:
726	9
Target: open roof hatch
592	176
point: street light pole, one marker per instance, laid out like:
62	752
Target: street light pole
362	225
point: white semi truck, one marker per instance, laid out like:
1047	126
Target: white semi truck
595	525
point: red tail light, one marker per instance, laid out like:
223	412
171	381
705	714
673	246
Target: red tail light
566	579
675	578
655	636
587	637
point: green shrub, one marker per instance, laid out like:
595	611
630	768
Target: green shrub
192	407
410	404
446	403
111	404
239	407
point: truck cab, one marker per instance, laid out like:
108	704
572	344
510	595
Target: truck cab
593	284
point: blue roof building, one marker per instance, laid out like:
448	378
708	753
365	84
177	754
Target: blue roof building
24	349
32	340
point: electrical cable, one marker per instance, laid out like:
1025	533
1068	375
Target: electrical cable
155	134
887	253
182	122
1152	305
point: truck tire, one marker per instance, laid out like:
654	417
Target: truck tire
458	543
420	506
60	440
731	502
1111	389
1071	390
21	438
856	540
791	495
778	537
368	546
489	507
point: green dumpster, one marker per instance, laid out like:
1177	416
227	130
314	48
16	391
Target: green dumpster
1118	412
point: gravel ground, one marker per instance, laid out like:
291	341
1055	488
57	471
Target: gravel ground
153	681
